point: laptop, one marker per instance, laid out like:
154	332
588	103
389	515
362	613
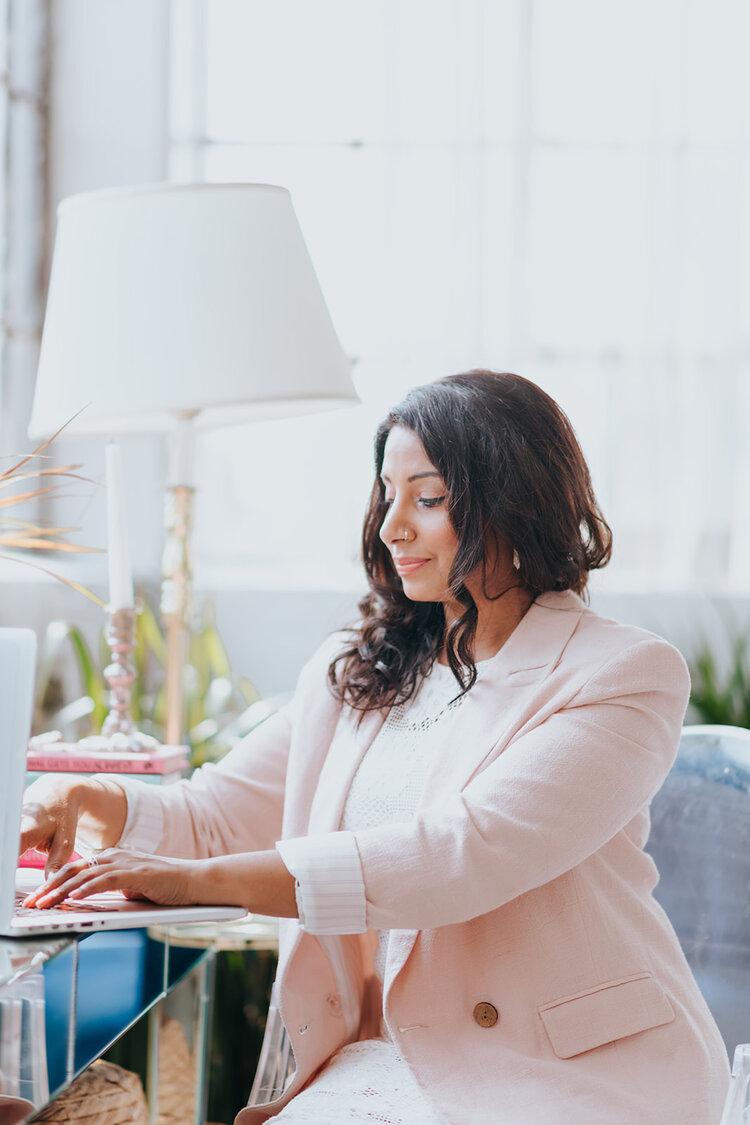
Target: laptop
108	911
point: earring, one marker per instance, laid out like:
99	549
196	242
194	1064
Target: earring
516	560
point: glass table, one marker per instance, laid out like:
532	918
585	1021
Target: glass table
65	1001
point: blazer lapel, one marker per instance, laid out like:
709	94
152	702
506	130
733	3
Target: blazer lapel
498	704
490	709
494	708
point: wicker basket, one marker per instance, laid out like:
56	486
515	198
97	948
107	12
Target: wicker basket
104	1094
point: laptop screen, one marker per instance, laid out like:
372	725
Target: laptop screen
17	667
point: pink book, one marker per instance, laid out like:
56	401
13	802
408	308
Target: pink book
67	757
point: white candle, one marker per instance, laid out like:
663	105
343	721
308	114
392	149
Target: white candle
120	574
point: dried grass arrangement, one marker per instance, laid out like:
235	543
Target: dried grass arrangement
22	535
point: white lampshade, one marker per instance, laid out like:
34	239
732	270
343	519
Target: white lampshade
172	298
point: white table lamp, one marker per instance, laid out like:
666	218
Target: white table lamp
175	306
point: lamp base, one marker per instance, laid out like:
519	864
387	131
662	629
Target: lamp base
176	600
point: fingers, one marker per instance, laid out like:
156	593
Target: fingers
56	879
92	881
39	831
132	873
49	819
53	893
76	887
60	851
34	833
108	881
79	876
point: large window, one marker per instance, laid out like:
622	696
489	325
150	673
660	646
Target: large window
24	36
559	190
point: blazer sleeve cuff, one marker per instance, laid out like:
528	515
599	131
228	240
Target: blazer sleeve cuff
144	823
330	888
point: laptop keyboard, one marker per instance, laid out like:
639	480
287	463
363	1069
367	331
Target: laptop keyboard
79	907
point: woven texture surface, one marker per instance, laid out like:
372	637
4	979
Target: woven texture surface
104	1094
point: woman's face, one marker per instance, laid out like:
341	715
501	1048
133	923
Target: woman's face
416	508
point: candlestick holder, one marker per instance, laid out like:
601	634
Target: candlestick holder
120	673
118	730
120	748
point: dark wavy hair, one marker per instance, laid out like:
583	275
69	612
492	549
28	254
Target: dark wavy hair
515	475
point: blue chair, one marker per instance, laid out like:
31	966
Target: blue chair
700	841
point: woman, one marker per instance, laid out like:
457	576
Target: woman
449	816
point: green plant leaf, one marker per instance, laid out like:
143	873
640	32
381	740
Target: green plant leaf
726	703
57	634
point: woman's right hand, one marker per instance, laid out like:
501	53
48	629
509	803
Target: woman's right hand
49	817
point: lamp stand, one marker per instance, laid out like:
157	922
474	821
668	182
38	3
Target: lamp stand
176	602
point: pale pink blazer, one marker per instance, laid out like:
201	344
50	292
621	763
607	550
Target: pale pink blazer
521	887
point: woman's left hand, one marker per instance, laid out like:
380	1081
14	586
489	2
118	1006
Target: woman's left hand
168	882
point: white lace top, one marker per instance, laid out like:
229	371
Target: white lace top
389	782
369	1080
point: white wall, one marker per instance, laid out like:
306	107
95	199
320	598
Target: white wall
109	93
108	127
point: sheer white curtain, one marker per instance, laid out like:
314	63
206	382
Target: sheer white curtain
559	190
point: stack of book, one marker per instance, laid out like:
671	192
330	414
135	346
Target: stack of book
159	767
